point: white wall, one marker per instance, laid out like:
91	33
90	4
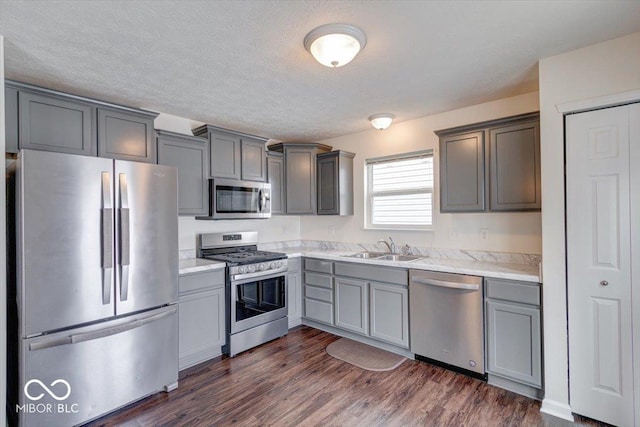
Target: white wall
597	70
274	229
508	232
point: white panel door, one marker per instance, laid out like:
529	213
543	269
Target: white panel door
634	137
599	264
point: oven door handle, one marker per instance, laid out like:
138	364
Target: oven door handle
259	274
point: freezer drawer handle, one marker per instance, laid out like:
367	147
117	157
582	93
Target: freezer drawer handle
88	336
445	284
124	238
107	238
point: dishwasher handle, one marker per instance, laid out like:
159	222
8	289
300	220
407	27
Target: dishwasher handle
446	284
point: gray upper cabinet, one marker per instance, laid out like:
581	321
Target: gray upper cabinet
11	119
300	175
55	123
189	154
514	331
126	135
515	167
224	155
44	119
254	160
335	183
234	155
462	173
492	165
275	177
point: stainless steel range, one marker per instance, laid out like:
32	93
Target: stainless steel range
255	288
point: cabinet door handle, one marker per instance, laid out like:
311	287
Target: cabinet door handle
604	283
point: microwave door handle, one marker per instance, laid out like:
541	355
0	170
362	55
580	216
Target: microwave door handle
264	197
107	238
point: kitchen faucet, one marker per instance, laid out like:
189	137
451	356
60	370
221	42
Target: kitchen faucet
392	246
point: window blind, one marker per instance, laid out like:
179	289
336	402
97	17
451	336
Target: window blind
400	191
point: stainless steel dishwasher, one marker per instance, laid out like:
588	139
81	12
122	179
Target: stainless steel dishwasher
446	320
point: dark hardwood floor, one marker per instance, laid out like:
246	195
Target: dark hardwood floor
292	381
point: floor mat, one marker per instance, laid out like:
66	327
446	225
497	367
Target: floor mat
364	356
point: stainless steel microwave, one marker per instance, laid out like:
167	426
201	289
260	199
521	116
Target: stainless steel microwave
235	199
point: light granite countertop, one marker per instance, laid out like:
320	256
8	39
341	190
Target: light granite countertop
523	272
195	265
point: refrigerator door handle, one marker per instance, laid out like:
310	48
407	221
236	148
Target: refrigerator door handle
100	333
124	238
107	238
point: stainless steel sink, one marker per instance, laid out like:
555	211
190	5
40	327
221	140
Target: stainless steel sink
397	257
384	256
366	255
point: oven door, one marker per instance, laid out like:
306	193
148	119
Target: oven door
257	301
234	199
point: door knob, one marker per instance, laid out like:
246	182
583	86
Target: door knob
604	283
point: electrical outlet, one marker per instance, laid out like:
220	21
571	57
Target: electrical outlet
332	230
484	233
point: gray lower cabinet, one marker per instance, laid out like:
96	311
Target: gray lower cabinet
351	305
189	154
300	175
513	335
201	317
367	300
294	292
491	166
126	135
234	155
335	183
253	160
11	119
318	290
389	313
54	123
275	177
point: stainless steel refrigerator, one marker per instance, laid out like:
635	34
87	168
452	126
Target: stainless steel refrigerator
95	272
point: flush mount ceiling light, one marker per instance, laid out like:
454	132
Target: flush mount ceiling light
335	45
381	121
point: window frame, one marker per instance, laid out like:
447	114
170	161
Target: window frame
368	194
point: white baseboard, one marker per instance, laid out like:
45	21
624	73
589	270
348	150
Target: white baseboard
556	409
294	321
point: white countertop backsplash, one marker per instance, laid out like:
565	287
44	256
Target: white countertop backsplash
503	265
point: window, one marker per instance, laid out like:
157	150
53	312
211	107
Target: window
399	191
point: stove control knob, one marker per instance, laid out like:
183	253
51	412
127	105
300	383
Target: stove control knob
242	269
263	266
251	268
273	265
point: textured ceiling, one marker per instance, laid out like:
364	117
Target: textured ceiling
242	64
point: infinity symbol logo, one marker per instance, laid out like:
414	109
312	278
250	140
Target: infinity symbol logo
51	393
